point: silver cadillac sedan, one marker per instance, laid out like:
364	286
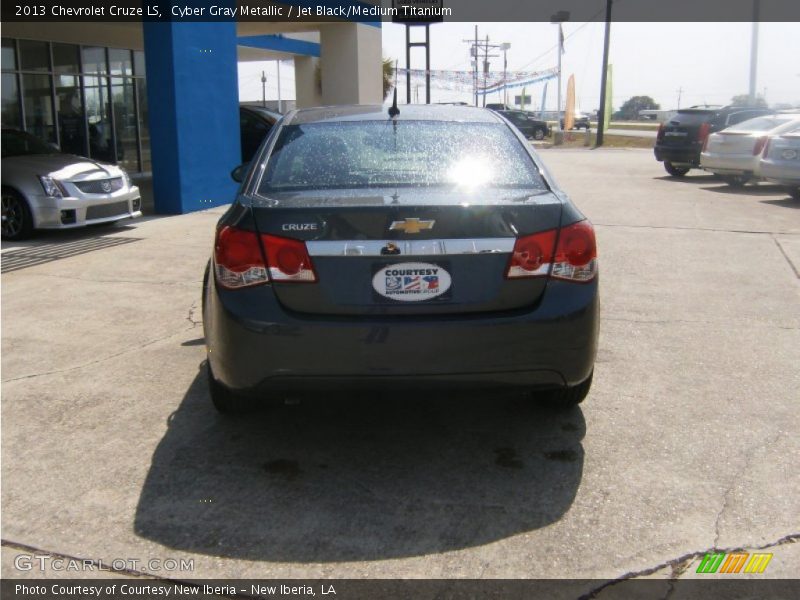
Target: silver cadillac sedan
45	189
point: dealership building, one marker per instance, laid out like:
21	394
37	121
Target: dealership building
163	97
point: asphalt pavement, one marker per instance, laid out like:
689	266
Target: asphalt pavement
686	443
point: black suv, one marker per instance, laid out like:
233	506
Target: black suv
527	123
680	140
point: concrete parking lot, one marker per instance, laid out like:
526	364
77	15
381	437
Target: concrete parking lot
687	442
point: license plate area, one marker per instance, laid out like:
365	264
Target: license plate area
411	282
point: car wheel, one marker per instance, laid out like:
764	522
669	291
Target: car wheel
794	193
568	397
224	400
538	134
736	181
675	171
16	215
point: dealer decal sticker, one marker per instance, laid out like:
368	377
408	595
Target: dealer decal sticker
411	282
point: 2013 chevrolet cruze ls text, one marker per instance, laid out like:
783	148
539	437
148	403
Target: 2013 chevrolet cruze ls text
420	249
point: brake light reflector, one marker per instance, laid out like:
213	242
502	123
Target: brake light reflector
288	260
759	145
238	261
576	253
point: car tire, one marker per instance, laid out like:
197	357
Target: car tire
736	181
675	171
538	134
568	397
794	193
224	400
16	214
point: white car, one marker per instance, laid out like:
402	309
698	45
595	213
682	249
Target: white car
780	161
45	189
734	153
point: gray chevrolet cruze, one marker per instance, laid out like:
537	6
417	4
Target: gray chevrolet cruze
425	249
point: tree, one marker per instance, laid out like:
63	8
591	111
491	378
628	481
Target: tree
744	100
630	109
388	76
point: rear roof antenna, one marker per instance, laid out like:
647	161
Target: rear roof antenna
393	109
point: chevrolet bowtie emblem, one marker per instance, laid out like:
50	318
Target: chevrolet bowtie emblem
412	225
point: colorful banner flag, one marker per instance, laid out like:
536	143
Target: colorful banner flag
609	98
569	115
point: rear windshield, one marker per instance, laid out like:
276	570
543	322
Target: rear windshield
693	117
761	124
375	154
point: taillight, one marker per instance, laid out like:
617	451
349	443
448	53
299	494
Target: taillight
533	255
705	129
569	254
759	145
661	129
288	260
238	261
576	253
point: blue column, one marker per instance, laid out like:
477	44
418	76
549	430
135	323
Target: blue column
193	101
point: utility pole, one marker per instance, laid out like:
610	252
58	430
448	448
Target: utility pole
504	47
476	48
558	19
601	115
473	53
680	91
754	52
263	89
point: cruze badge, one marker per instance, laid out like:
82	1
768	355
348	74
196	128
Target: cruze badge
299	227
411	225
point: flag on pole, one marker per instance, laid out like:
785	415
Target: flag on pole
609	95
569	115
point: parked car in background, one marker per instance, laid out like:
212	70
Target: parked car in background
734	153
400	252
255	124
581	121
780	161
45	189
531	127
680	139
498	106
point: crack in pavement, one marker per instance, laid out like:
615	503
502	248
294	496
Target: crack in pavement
786	256
681	563
99	360
686	228
747	460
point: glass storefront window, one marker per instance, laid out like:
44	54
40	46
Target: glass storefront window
38	103
98	117
144	131
11	116
69	108
138	63
9	55
94	61
124	103
66	58
120	61
34	56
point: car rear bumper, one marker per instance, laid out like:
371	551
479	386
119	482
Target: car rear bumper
65	213
780	172
728	164
254	345
680	155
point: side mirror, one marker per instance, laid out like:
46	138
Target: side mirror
238	173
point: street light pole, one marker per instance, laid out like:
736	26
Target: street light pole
754	53
263	89
504	47
558	19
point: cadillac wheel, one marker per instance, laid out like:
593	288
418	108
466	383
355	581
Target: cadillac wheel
426	249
